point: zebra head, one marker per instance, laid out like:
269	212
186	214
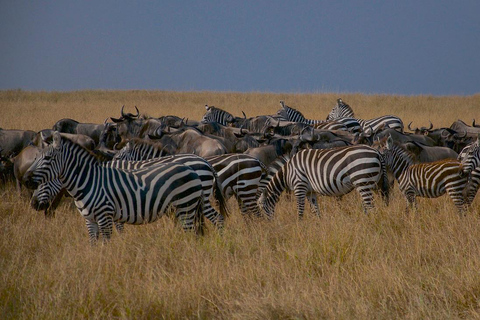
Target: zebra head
471	156
45	194
341	110
396	157
47	166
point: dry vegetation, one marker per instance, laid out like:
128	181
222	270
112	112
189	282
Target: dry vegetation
342	265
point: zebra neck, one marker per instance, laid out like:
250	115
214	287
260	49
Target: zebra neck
401	160
79	170
277	184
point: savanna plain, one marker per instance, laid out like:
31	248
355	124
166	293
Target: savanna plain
343	265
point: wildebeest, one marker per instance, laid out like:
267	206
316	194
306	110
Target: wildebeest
190	140
13	141
429	154
74	127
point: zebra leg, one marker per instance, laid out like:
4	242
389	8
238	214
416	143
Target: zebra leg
106	226
300	194
411	200
472	188
457	197
93	231
312	198
213	215
119	226
367	196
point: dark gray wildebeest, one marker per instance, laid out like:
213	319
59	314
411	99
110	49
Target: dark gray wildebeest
189	140
13	141
443	137
44	137
74	127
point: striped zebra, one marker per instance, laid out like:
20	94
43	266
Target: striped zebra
238	174
48	196
104	195
343	110
139	154
470	158
428	179
218	115
328	172
287	113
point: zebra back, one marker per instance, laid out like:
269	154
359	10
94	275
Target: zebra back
290	114
214	114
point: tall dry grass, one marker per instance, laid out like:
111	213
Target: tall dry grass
345	264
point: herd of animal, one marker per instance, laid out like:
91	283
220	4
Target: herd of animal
134	169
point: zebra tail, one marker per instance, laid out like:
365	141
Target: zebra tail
385	188
199	223
385	185
218	194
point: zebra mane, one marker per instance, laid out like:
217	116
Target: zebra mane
99	156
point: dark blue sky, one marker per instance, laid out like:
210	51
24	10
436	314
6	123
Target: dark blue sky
393	47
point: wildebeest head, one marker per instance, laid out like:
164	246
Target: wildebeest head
422	130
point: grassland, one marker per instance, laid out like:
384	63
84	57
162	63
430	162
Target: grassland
345	264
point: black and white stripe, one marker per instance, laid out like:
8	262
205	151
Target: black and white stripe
343	110
214	114
103	194
140	154
237	175
470	158
290	114
428	179
240	176
328	172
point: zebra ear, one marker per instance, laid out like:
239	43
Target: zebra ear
389	142
207	107
57	139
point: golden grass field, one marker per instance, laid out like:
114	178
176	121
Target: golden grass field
343	265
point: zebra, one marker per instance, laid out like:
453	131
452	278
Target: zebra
469	157
104	195
290	114
218	115
240	176
140	154
428	179
328	172
344	111
237	174
48	195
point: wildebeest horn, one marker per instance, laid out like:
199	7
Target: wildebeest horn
473	123
138	112
431	125
123	114
244	115
409	128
